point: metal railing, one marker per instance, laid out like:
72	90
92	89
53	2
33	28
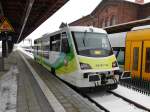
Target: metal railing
137	84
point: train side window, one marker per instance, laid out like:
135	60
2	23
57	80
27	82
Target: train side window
55	43
147	64
35	49
40	48
65	45
135	58
46	51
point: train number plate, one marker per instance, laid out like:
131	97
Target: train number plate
94	78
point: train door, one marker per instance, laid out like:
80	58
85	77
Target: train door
54	48
146	60
136	53
40	52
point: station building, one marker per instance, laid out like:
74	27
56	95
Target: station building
112	12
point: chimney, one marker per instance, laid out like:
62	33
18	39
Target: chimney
139	1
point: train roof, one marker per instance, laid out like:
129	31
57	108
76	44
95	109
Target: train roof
141	27
74	28
117	39
139	35
125	27
86	28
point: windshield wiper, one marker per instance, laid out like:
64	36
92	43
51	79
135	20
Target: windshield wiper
83	42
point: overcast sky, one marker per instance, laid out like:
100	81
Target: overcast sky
71	11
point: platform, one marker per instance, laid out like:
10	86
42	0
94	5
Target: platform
30	95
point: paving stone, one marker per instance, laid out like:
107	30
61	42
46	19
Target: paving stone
30	97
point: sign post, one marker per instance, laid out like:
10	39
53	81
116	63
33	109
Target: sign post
1	64
5	28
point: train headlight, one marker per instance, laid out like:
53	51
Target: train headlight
85	66
114	64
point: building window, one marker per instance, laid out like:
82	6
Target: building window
94	23
113	20
108	22
103	23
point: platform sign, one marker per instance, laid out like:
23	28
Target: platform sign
5	25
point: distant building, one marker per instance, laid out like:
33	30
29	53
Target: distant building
112	12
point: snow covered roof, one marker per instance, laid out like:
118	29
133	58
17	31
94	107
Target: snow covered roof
127	26
141	27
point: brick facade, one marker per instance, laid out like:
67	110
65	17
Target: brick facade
144	12
111	12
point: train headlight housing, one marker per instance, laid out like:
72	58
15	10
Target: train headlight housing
114	64
85	66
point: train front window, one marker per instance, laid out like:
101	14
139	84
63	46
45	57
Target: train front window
92	44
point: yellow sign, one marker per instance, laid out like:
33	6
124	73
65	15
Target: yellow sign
6	26
97	52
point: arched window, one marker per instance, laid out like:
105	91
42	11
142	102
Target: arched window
108	22
103	23
113	20
93	23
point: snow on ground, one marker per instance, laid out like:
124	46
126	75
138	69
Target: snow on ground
8	91
113	103
134	96
27	53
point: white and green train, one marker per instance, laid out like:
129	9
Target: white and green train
81	56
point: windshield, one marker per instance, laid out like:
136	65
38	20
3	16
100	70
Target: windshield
92	44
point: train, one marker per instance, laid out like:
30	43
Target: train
81	56
117	41
133	51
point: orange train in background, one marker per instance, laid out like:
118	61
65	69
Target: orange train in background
135	46
137	56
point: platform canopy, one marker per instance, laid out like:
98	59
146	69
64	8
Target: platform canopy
127	26
26	15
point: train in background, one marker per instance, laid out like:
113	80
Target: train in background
81	56
132	51
117	41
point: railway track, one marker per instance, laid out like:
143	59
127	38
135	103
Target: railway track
112	102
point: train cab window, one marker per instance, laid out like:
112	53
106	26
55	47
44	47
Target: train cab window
147	61
65	45
55	43
135	58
